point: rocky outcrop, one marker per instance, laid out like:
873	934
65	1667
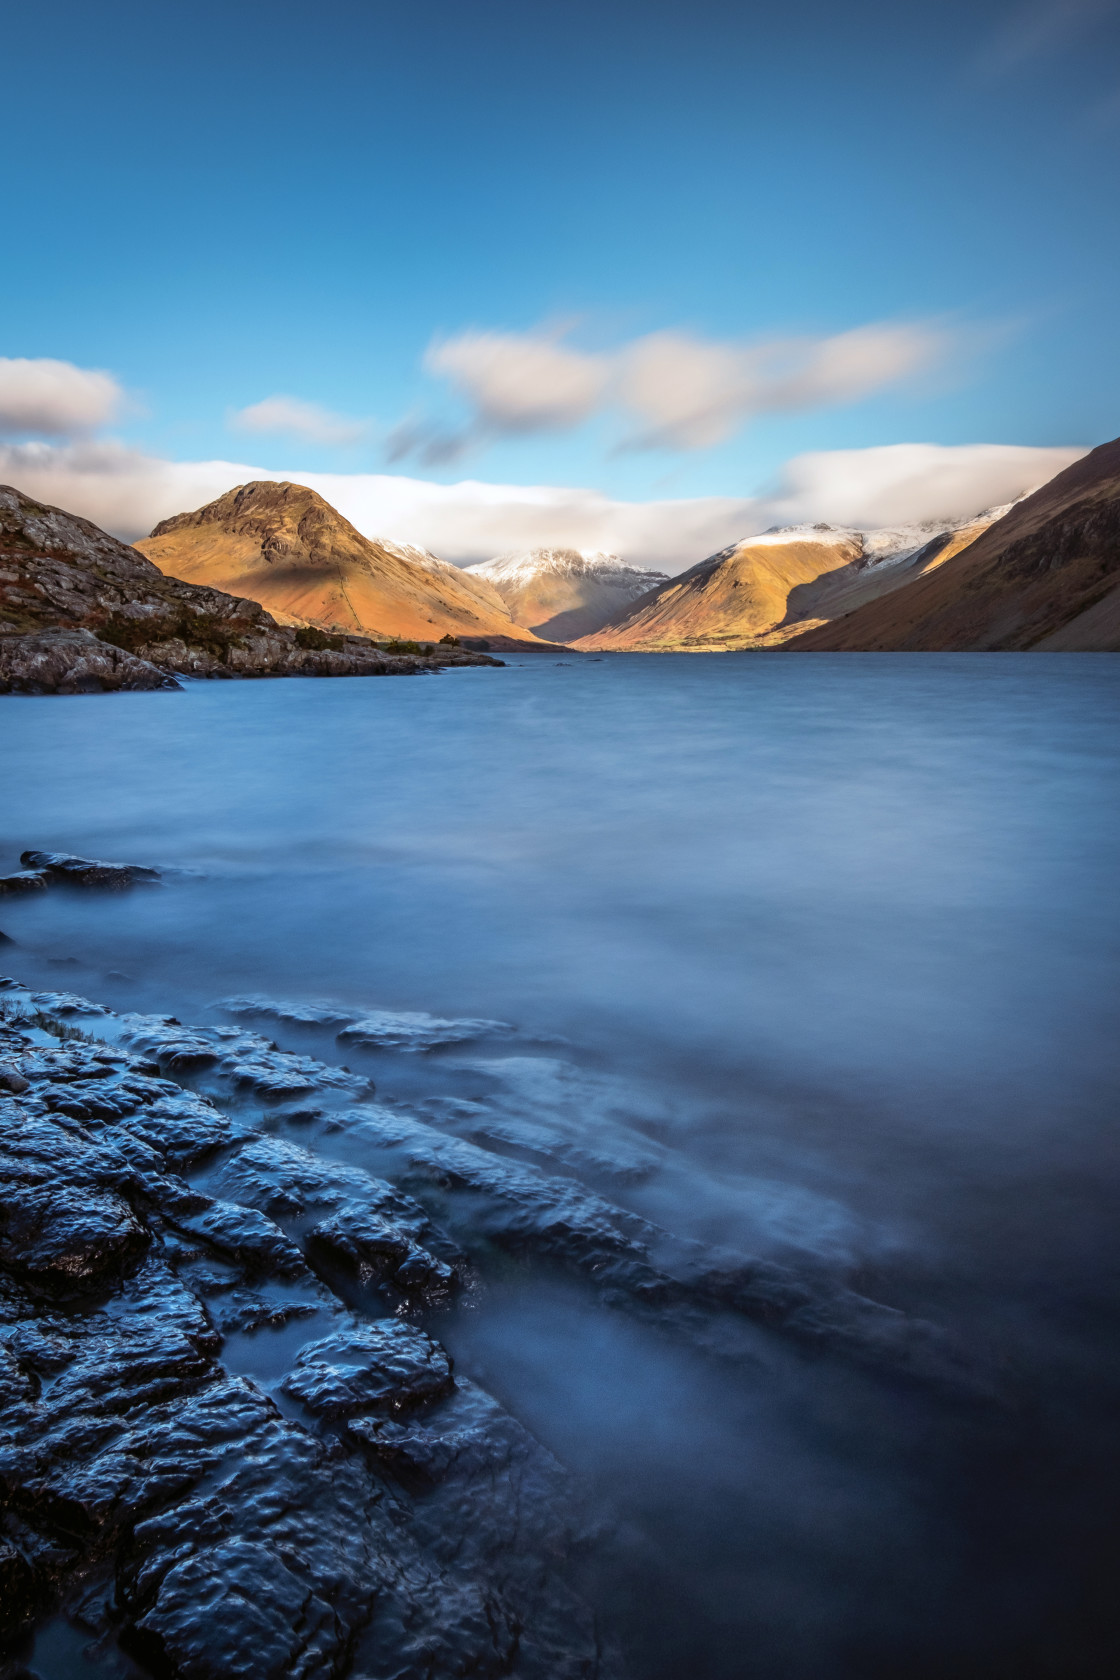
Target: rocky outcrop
366	1511
63	868
73	662
1045	576
83	613
284	546
563	593
172	1194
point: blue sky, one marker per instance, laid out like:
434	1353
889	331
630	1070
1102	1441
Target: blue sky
220	204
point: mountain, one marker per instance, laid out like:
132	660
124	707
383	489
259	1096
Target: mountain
284	546
80	612
762	591
1046	576
563	593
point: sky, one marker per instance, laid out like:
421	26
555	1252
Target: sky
642	276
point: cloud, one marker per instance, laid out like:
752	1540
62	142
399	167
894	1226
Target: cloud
689	393
54	399
908	483
677	391
291	417
521	382
128	493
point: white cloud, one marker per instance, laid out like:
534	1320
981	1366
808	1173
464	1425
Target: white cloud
54	399
291	417
128	493
679	391
688	393
520	381
901	483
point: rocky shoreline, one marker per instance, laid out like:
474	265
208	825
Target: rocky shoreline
235	1445
81	613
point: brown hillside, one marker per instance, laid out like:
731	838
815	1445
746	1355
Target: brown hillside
81	612
1046	576
731	601
284	546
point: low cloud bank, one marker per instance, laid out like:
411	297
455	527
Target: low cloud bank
128	493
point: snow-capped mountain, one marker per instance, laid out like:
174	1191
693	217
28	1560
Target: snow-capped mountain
767	588
562	593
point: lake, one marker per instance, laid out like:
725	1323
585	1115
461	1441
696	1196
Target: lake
811	956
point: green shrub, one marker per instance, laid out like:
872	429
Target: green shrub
317	640
407	647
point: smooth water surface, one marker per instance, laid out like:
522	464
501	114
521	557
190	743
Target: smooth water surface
839	936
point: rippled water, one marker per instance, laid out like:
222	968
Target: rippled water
814	956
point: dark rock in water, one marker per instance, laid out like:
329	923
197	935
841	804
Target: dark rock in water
25	881
87	872
388	1366
235	1541
376	1029
67	1237
73	662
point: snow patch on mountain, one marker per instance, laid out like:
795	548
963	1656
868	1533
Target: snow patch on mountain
519	568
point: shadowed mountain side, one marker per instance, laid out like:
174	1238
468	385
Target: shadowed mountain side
563	593
284	546
770	588
729	601
1045	576
850	587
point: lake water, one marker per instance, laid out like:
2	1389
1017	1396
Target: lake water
835	940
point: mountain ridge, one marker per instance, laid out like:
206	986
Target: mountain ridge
280	543
766	588
1045	576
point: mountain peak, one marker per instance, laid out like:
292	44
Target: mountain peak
565	592
282	544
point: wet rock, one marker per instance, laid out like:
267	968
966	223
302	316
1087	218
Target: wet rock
245	1235
245	1059
66	1237
371	1226
378	1249
374	1029
468	1434
310	1014
66	1003
89	872
25	881
387	1366
240	1541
